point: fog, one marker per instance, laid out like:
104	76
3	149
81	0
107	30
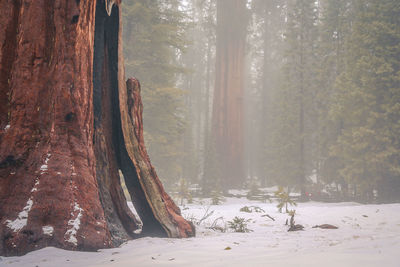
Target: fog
273	125
253	94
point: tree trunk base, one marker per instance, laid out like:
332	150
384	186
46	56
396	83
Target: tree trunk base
68	124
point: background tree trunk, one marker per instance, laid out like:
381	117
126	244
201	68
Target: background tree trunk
228	110
65	133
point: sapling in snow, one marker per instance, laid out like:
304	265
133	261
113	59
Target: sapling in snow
251	209
184	192
283	199
216	197
239	225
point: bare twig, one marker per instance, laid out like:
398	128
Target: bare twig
214	226
206	215
266	215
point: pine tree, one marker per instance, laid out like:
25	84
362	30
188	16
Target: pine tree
292	138
264	61
334	31
367	102
153	37
198	60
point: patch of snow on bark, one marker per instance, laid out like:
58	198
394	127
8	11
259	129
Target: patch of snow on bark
70	235
48	230
137	231
34	189
44	167
22	219
7	127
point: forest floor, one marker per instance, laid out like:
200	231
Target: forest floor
368	235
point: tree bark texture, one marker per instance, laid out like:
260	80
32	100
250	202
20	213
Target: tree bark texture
68	124
228	110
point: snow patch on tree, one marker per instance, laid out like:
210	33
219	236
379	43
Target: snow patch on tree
70	235
48	230
34	189
44	167
22	219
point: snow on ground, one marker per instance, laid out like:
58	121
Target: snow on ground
368	235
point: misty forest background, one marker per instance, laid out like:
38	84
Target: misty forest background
315	98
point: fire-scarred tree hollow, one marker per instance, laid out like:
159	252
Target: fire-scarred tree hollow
69	124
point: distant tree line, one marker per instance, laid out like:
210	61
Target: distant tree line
335	103
321	93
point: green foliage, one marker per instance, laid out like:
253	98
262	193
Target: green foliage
335	29
153	35
335	108
211	180
367	100
184	192
197	81
239	225
265	45
254	189
255	193
284	200
291	213
216	197
250	209
326	83
246	209
289	146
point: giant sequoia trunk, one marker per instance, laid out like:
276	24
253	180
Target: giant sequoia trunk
228	110
68	124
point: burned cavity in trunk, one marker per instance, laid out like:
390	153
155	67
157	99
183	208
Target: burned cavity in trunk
110	150
69	123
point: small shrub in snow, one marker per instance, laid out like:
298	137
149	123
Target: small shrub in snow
253	189
246	209
239	225
251	209
184	192
218	225
216	197
292	212
284	199
193	219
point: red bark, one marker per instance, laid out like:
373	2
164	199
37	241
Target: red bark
228	106
162	206
47	153
59	155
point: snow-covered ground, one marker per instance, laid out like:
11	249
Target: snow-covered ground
368	235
